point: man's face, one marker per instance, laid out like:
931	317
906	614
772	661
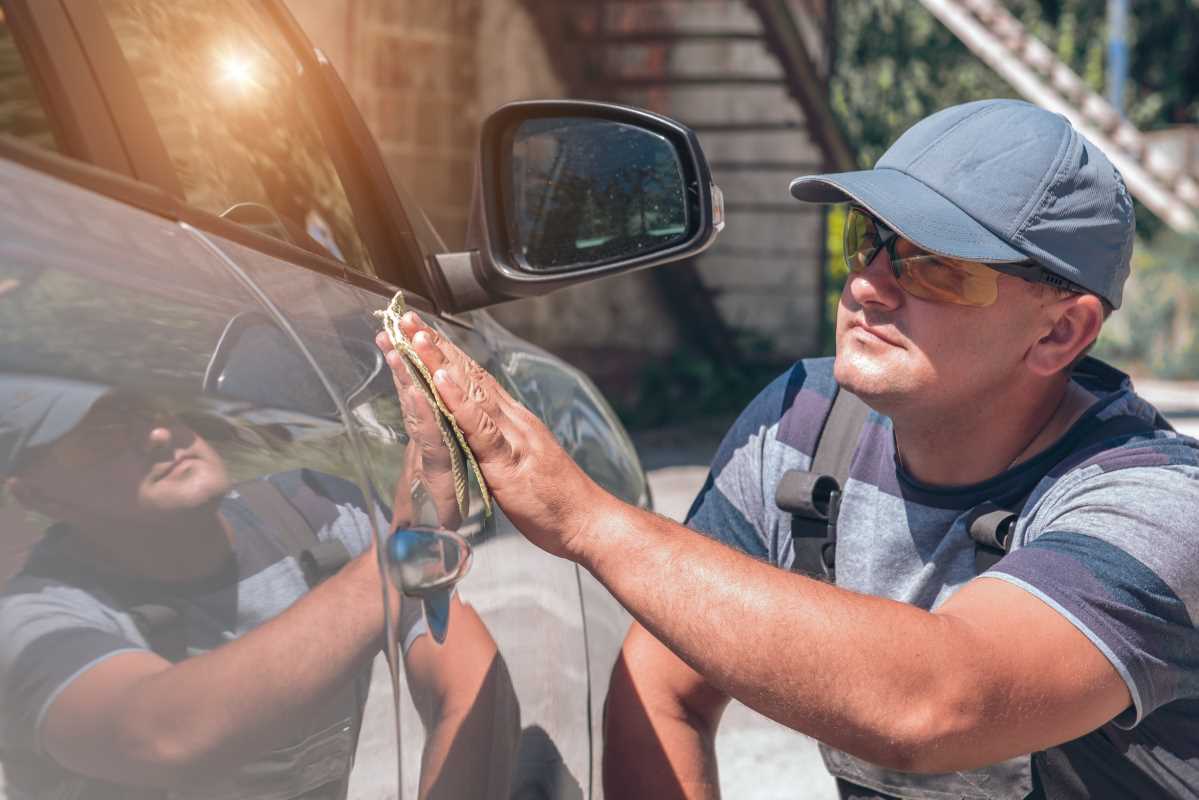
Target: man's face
125	462
902	353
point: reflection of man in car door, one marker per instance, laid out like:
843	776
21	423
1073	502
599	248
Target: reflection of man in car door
154	557
462	689
111	670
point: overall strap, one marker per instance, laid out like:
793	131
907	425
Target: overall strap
162	626
295	531
813	497
296	534
991	528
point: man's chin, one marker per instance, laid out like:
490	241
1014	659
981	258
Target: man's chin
869	377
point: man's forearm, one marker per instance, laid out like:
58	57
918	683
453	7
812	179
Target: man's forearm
659	738
858	672
207	714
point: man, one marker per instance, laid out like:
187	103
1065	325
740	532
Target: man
162	638
152	640
985	250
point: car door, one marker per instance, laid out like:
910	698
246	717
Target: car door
493	683
121	326
118	326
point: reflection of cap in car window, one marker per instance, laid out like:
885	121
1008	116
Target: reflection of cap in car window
37	410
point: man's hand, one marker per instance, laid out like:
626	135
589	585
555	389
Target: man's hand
545	494
427	461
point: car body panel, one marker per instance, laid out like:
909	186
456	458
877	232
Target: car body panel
148	297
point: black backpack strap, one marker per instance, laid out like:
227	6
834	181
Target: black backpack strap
991	527
813	497
296	533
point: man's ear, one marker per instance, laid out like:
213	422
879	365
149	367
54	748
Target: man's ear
31	498
1074	326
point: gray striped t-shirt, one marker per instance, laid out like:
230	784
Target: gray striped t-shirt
1107	538
60	617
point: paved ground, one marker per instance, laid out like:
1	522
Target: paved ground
759	759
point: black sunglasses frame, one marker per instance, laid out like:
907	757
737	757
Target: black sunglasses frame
1029	270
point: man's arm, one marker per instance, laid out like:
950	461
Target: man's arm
464	695
994	673
660	722
137	719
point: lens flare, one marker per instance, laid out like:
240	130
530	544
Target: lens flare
237	72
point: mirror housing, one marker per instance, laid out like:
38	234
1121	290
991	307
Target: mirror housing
580	155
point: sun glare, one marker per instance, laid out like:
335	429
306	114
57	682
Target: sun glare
237	72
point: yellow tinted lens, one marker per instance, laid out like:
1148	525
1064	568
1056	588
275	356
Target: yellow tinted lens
860	240
945	280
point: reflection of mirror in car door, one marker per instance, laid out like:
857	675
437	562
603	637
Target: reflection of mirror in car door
586	191
257	363
421	561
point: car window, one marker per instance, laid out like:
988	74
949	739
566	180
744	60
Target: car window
21	113
225	90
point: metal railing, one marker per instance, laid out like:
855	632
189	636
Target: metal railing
1032	69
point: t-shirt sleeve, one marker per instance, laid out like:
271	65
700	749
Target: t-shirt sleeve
1116	554
49	635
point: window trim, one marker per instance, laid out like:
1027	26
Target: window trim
140	136
147	153
383	220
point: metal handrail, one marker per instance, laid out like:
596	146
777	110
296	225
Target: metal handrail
1032	69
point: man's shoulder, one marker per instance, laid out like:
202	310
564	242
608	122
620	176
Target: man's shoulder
1127	471
1125	432
301	484
779	428
796	401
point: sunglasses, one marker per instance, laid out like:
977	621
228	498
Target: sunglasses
112	426
929	276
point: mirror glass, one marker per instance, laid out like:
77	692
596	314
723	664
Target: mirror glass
585	192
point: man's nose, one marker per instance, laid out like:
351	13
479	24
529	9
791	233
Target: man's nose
158	435
876	285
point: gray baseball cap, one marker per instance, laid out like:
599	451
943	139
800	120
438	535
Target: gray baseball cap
998	181
37	410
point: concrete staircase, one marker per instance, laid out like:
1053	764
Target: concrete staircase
1032	69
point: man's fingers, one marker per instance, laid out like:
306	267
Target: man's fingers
478	421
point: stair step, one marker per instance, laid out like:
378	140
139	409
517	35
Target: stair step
713	81
717	128
635	37
788	167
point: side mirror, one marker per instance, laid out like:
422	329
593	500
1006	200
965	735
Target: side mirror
423	561
569	191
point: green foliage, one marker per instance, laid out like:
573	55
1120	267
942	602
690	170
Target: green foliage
896	63
688	386
1155	330
836	271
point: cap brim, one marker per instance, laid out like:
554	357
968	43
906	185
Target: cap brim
40	409
911	209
